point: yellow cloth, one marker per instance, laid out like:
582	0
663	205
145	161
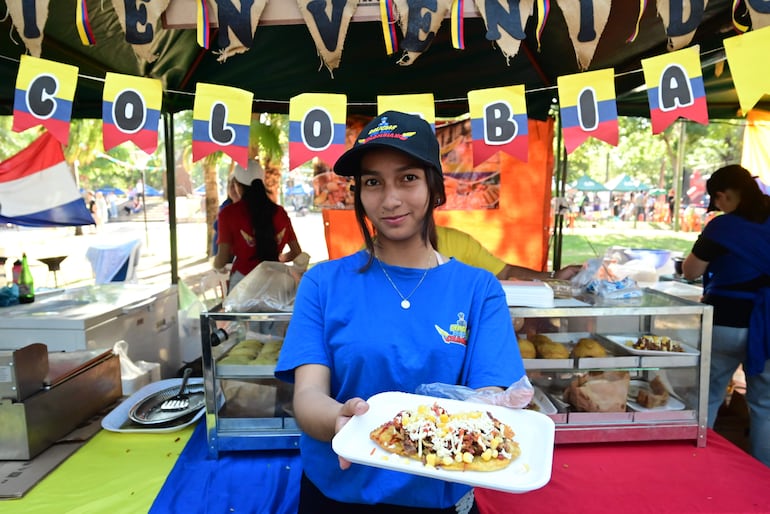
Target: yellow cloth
113	473
463	247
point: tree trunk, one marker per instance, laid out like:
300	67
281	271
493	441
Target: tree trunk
212	198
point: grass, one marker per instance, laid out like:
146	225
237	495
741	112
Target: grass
576	244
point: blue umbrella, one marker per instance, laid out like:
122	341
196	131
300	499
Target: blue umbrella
109	189
151	191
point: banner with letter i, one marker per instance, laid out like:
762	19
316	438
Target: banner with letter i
316	127
499	123
588	107
131	111
44	94
221	121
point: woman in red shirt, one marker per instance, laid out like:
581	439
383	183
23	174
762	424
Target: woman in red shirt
254	229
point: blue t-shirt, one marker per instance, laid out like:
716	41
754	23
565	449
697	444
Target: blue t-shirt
458	330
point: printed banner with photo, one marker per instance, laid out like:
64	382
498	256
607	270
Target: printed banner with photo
466	187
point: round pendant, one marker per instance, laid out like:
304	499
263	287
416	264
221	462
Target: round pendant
405	304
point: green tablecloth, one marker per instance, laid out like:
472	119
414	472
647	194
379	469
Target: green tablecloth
114	473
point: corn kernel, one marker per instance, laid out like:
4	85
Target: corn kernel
487	455
467	457
430	460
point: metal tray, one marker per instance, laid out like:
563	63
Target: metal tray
148	412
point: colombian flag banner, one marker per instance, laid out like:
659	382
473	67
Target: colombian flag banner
588	107
131	111
746	53
499	123
44	94
675	88
316	127
419	104
221	120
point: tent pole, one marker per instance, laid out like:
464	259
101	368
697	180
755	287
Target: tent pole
678	170
168	128
561	180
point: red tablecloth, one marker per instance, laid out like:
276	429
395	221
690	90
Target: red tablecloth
671	476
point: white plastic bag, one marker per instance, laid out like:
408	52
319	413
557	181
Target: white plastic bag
134	375
517	396
270	287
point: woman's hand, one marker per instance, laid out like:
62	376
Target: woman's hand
352	407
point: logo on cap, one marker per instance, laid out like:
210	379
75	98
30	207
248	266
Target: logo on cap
385	130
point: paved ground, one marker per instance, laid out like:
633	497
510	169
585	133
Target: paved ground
154	263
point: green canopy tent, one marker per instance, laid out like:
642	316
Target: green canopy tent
587	184
624	184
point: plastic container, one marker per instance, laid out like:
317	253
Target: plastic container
658	258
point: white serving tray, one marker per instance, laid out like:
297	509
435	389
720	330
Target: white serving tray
118	421
622	339
633	388
534	433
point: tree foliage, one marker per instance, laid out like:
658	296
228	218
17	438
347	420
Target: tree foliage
651	159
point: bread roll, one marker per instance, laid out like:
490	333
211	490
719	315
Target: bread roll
587	347
551	350
527	349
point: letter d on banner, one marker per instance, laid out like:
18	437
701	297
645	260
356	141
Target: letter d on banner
316	128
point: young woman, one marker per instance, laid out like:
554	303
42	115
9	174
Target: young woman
369	323
254	229
732	255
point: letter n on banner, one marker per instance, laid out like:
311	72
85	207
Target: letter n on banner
588	107
675	88
221	121
499	123
131	111
316	127
44	94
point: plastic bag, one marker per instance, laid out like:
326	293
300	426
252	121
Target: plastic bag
517	396
270	287
607	279
134	375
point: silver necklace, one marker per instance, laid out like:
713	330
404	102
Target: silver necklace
405	303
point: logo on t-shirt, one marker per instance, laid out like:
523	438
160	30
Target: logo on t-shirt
458	331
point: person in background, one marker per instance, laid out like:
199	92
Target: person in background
101	208
732	256
369	323
233	195
465	248
254	229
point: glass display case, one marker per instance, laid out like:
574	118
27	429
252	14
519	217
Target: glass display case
575	386
246	407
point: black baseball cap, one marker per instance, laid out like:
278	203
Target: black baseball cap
733	176
392	129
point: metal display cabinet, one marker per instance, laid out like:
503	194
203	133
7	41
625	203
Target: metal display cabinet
615	324
246	407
